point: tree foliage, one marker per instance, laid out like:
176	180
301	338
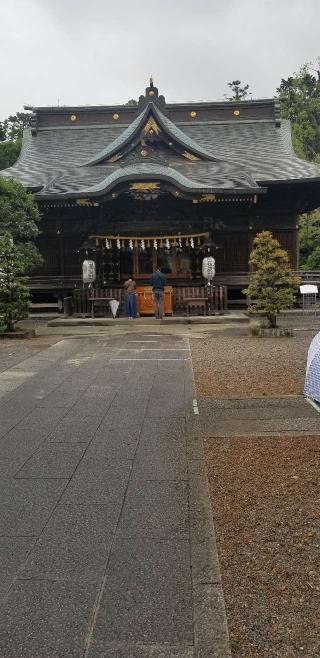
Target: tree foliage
11	132
9	153
272	281
309	233
19	216
14	293
12	128
299	97
239	93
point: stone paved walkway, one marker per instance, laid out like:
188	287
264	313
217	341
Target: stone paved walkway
107	546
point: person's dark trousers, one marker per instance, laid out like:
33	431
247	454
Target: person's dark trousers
158	296
130	307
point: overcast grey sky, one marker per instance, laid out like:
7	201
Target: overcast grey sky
103	51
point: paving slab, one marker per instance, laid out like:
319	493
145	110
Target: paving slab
161	454
54	460
26	505
114	444
155	509
75	430
253	408
104	514
105	487
148	594
261	427
100	649
74	545
13	554
45	619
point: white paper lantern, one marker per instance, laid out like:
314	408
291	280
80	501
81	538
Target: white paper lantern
88	271
167	244
118	244
131	244
108	245
192	243
143	246
155	244
208	268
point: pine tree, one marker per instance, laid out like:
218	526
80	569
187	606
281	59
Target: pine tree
272	281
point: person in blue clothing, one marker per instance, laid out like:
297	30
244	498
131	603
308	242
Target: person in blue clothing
130	301
158	282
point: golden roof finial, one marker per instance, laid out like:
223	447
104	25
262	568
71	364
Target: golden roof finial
151	80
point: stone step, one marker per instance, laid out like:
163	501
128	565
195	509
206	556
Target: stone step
227	318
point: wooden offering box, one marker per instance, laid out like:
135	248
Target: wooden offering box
145	300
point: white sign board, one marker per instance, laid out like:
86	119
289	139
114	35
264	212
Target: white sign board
309	289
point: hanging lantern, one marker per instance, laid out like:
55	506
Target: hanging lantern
107	244
192	243
208	268
143	246
88	271
199	241
180	243
161	244
155	244
118	243
187	242
131	245
123	244
148	243
167	244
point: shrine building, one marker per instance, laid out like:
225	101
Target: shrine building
139	185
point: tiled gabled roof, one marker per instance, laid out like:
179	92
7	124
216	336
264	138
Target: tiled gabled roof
135	128
65	160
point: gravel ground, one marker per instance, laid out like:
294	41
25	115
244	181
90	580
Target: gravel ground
14	351
248	366
265	499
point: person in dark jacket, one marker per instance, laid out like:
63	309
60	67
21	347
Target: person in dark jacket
158	282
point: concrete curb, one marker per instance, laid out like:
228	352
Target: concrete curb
211	636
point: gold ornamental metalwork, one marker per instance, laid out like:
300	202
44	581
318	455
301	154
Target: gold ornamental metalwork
144	152
115	157
236	113
205	198
73	117
115	117
190	156
145	186
193	114
152	125
86	202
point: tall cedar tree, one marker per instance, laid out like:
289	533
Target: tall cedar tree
11	132
14	293
299	97
272	281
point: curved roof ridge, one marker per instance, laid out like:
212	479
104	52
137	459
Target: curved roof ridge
167	126
149	172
